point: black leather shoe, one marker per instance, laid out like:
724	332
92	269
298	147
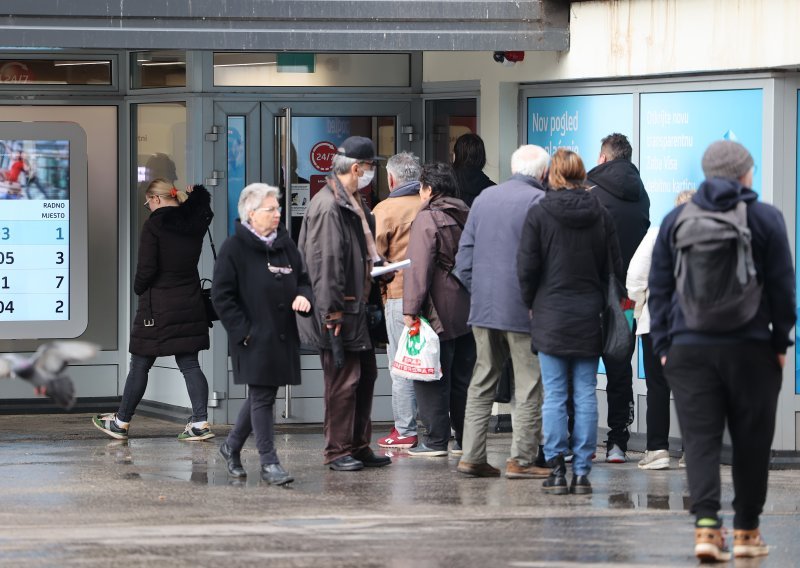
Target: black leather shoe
580	485
346	463
274	474
540	460
556	482
234	461
370	459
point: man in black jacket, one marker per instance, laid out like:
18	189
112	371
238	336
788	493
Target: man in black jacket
732	375
616	182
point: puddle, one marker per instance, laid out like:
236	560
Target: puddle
668	502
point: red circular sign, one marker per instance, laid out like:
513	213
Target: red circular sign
322	156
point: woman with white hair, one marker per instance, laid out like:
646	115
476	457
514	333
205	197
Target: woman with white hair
260	281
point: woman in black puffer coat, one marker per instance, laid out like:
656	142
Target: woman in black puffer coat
171	317
568	248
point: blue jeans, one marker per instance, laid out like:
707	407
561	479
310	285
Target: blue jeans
404	401
555	376
136	384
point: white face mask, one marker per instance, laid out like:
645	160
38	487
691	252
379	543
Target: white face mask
366	179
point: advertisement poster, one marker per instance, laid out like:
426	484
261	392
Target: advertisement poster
675	130
301	195
578	122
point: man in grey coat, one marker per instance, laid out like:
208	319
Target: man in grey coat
487	265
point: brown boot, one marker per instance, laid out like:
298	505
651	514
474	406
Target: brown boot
477	469
709	545
515	470
749	544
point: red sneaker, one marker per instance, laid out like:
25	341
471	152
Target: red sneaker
395	440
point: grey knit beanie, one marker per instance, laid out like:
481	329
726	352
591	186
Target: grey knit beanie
726	159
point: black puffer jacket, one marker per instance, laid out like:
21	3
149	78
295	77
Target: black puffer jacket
471	181
254	302
167	281
562	266
619	188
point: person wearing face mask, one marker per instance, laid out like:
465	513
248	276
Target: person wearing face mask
171	316
338	244
259	284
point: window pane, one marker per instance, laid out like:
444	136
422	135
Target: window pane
237	173
55	72
160	146
262	69
158	69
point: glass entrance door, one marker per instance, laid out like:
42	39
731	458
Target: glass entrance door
255	148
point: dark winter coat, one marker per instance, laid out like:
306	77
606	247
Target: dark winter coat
167	281
563	266
487	254
773	260
254	303
619	188
429	287
471	182
334	247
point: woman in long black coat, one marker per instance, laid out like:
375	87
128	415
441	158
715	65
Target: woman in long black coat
259	283
171	317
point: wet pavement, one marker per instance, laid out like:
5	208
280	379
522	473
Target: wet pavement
69	496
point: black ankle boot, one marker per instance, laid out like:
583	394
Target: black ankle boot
540	461
580	485
556	483
233	460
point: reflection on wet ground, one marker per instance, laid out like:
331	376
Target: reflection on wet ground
82	499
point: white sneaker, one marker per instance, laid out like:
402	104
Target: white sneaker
615	455
682	461
655	459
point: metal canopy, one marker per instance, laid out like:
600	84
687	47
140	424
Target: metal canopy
298	25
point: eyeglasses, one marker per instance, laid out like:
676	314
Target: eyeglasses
279	269
147	201
270	210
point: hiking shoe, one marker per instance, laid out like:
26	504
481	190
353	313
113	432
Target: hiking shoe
456	449
749	544
655	459
515	470
395	440
477	469
107	423
423	451
709	545
192	434
614	454
682	461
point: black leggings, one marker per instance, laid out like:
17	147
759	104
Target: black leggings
136	384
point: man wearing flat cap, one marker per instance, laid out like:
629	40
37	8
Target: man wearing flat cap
338	244
724	362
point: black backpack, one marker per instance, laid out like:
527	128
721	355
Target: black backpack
715	276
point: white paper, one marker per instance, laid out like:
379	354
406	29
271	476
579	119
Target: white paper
392	267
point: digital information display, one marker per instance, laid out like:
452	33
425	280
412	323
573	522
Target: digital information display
43	240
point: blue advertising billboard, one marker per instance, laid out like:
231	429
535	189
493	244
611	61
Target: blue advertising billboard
578	122
676	128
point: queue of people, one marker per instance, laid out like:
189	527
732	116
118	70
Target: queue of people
518	271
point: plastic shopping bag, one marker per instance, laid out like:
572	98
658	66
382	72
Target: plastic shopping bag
417	356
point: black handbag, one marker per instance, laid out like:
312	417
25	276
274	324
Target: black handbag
205	292
618	340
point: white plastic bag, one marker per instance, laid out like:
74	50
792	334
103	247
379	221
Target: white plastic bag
417	356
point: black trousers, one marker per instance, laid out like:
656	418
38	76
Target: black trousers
619	393
657	398
256	416
442	403
734	382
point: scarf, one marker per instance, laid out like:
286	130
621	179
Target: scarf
268	240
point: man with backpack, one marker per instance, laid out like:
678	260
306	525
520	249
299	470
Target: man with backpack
722	306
